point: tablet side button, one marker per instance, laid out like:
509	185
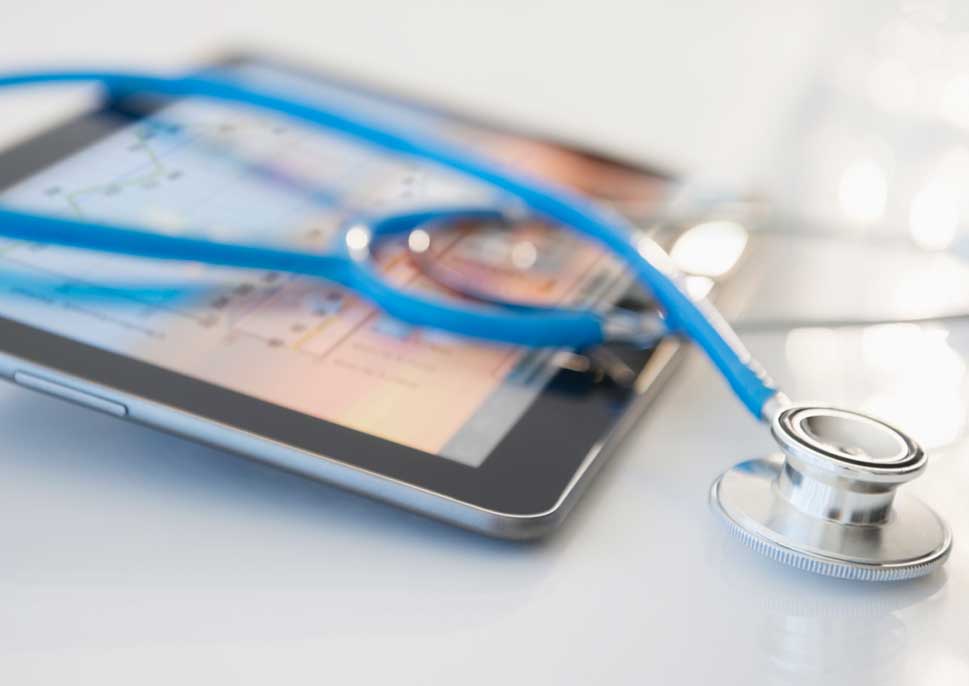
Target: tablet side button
59	390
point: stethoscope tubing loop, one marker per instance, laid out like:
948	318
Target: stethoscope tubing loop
709	332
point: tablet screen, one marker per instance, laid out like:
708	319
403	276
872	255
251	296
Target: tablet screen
196	167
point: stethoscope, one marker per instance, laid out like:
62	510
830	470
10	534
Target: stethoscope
827	503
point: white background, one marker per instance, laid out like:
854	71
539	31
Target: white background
693	84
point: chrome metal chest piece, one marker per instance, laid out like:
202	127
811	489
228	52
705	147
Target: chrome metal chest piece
829	504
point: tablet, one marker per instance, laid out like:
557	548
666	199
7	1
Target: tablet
291	370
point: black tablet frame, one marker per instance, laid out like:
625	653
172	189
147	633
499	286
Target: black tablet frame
528	471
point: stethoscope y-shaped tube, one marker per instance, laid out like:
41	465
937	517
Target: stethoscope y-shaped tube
698	321
538	327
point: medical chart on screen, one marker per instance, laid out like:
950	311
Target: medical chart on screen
200	168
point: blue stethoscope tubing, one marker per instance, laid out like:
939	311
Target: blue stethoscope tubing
541	327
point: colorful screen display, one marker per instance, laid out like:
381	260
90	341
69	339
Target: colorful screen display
194	167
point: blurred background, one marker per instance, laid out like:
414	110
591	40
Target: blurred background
702	86
850	113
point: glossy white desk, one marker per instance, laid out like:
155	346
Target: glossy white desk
129	554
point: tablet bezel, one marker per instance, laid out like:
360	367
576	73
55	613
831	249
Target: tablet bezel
528	472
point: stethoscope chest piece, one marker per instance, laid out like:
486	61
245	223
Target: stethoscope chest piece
829	503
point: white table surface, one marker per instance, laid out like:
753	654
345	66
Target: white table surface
129	556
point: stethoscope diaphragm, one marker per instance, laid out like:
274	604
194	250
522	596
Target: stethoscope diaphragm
829	502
